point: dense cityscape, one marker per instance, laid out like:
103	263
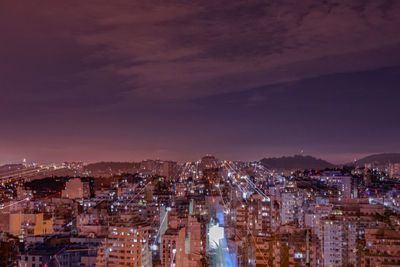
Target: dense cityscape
199	133
210	212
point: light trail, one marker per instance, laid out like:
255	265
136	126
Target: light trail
373	199
238	187
54	256
159	229
249	230
255	188
254	240
162	221
173	256
141	190
209	188
12	204
220	193
255	243
127	194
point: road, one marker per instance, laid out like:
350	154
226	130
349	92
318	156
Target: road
29	173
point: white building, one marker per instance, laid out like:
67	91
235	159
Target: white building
332	242
339	240
291	203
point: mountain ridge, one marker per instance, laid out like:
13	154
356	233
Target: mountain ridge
378	159
296	162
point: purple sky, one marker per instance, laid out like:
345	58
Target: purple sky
128	80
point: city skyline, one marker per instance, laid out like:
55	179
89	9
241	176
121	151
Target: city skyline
199	133
130	80
200	214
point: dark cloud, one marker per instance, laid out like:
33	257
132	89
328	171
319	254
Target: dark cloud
91	71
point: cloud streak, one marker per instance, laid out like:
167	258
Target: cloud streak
196	48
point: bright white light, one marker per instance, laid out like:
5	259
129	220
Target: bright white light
216	233
298	255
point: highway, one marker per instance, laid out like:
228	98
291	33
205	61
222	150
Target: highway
29	173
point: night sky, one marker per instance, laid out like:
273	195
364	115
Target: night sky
130	80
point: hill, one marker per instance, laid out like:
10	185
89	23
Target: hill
110	166
296	162
379	159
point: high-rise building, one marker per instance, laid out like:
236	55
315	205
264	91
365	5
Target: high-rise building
259	215
339	240
291	202
394	169
293	246
127	244
173	248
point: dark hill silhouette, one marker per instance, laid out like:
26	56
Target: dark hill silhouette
114	166
296	162
379	159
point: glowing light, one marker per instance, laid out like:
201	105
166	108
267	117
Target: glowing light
216	233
